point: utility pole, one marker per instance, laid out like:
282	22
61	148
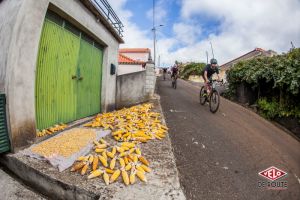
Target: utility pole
154	34
206	57
212	51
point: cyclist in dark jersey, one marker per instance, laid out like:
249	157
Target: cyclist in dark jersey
174	71
208	72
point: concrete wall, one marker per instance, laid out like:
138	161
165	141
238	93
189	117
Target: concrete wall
150	79
131	89
21	24
125	69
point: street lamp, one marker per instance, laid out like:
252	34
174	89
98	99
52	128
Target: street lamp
154	42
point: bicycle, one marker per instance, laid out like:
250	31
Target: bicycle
174	82
213	97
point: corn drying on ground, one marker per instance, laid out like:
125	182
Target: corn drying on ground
162	181
51	130
66	143
130	128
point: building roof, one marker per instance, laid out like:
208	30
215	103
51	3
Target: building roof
126	60
134	50
255	50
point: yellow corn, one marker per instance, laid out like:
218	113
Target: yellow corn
101	146
103	141
77	166
141	175
145	168
138	151
103	161
128	166
143	160
131	150
139	168
135	158
115	176
114	150
112	163
97	150
107	170
120	149
132	177
95	163
106	178
126	160
123	154
104	154
84	169
91	158
122	162
125	177
109	154
95	173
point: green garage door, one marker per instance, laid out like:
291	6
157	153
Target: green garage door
68	77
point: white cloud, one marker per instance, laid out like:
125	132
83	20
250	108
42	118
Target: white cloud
244	25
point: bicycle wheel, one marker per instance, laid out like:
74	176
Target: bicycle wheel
214	101
202	97
175	84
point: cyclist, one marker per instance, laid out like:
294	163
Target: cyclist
208	72
174	71
165	72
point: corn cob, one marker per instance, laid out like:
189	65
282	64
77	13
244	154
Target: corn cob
103	141
95	163
95	173
128	166
145	168
77	166
143	160
126	160
104	154
132	177
109	171
139	168
122	162
135	158
109	154
141	175
115	176
101	146
138	151
106	178
103	161
97	150
91	158
84	169
125	177
112	163
114	150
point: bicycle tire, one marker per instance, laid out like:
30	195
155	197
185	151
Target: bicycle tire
215	92
201	96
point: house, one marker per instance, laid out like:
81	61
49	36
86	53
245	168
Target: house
133	60
57	61
139	54
257	52
129	65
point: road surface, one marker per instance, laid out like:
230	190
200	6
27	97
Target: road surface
12	189
220	155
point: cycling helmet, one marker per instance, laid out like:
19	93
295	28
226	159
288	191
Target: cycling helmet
213	61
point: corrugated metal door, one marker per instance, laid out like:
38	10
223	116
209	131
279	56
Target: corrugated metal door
55	88
68	78
4	140
89	79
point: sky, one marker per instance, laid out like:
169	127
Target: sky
234	27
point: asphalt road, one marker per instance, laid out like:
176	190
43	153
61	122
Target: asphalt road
220	155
